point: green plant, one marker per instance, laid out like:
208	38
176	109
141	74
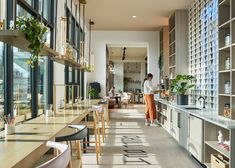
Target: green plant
92	93
181	84
126	80
34	32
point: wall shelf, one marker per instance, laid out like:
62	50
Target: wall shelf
17	39
178	43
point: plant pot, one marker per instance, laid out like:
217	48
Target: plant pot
182	99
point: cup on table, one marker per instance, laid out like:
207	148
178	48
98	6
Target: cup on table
9	129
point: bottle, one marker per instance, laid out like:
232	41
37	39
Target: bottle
227	40
227	87
220	137
227	63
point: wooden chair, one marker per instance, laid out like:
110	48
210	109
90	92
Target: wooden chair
62	160
128	100
94	125
81	133
100	109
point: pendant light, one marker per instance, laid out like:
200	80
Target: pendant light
82	43
91	55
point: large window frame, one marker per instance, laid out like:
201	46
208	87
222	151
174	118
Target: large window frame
74	36
33	9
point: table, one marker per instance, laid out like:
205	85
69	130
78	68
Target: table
24	148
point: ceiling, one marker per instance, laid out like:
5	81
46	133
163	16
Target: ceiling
132	53
117	14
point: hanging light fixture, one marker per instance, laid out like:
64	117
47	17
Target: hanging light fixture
91	54
82	42
63	30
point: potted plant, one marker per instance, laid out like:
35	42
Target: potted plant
92	93
34	32
179	86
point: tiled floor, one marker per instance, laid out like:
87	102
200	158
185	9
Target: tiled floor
130	143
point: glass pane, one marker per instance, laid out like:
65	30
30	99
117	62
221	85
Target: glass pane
21	82
48	37
1	79
20	11
42	84
70	75
47	10
30	2
73	37
76	76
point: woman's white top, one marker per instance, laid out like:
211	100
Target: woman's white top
149	87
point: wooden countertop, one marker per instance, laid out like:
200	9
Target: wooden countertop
25	147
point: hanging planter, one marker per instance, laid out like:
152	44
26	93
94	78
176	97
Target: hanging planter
34	32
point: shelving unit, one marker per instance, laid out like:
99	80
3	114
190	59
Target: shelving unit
17	39
211	143
178	43
203	51
164	51
226	40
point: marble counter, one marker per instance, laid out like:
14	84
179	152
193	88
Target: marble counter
205	114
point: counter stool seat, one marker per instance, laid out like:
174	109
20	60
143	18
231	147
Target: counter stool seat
77	136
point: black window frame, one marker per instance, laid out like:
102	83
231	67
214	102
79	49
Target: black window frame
8	67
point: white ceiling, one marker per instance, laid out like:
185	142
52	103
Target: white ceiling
117	14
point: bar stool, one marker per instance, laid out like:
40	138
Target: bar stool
77	136
94	125
100	109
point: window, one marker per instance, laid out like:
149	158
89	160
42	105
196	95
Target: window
73	34
45	9
21	75
42	84
1	78
30	2
21	82
20	11
68	34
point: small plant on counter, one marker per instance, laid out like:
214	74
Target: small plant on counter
92	93
34	32
179	86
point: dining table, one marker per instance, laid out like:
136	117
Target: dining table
24	147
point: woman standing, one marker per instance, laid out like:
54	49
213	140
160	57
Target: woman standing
150	113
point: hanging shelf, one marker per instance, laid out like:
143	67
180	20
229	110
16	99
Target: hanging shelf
17	39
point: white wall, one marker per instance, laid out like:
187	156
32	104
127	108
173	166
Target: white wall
118	76
99	40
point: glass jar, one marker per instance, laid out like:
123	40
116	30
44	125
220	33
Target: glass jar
227	87
227	111
227	63
227	40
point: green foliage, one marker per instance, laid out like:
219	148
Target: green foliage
34	32
126	80
181	84
92	93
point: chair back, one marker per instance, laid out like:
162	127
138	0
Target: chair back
62	160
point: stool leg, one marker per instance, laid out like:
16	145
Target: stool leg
96	146
103	128
99	143
79	153
70	147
